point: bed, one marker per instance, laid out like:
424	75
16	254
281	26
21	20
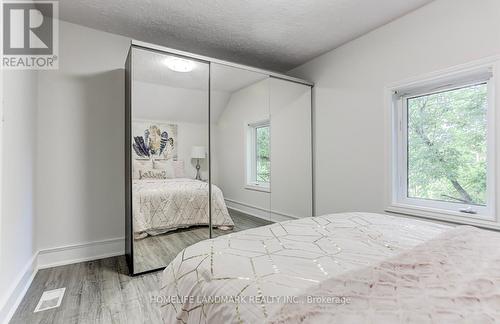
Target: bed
162	205
266	274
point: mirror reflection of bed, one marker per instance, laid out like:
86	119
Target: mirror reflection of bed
169	120
170	160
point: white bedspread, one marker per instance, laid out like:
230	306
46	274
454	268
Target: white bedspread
453	278
261	266
165	205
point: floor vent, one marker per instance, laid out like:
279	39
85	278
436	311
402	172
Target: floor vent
50	299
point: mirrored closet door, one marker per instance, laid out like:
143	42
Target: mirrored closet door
212	148
169	160
291	150
240	148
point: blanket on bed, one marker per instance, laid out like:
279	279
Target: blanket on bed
454	278
279	260
164	205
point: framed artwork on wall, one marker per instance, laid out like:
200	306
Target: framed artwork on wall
153	140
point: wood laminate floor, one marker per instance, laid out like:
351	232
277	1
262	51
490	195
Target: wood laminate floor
157	251
101	291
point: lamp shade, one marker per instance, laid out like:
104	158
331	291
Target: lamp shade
198	152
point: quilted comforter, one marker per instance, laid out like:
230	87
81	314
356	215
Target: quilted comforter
246	277
454	278
160	206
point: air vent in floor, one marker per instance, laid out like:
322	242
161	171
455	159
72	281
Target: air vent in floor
50	299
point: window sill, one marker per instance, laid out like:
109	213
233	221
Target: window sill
257	188
443	215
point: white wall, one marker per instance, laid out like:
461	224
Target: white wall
17	222
349	92
155	101
80	154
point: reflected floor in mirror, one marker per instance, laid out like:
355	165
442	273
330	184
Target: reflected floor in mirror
157	251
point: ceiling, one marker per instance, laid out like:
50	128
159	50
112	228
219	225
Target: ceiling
277	35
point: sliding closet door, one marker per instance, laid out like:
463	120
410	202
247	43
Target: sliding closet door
169	160
291	150
240	149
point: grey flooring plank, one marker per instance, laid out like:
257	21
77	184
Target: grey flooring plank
101	291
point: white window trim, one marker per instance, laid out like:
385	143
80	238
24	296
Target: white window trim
396	140
251	163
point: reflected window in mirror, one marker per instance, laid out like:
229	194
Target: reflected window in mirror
259	158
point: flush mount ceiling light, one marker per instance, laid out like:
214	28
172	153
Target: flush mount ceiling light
178	64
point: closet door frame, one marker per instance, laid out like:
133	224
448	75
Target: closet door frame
129	250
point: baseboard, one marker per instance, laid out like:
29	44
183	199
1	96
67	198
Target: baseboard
256	211
53	257
17	290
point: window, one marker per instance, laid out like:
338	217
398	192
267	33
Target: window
259	161
443	149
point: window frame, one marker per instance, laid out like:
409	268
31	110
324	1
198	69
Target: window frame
251	165
398	191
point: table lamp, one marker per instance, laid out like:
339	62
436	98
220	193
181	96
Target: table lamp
198	152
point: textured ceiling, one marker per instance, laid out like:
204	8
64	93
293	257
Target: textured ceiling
277	35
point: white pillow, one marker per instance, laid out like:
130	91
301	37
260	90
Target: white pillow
152	174
178	167
139	165
165	166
